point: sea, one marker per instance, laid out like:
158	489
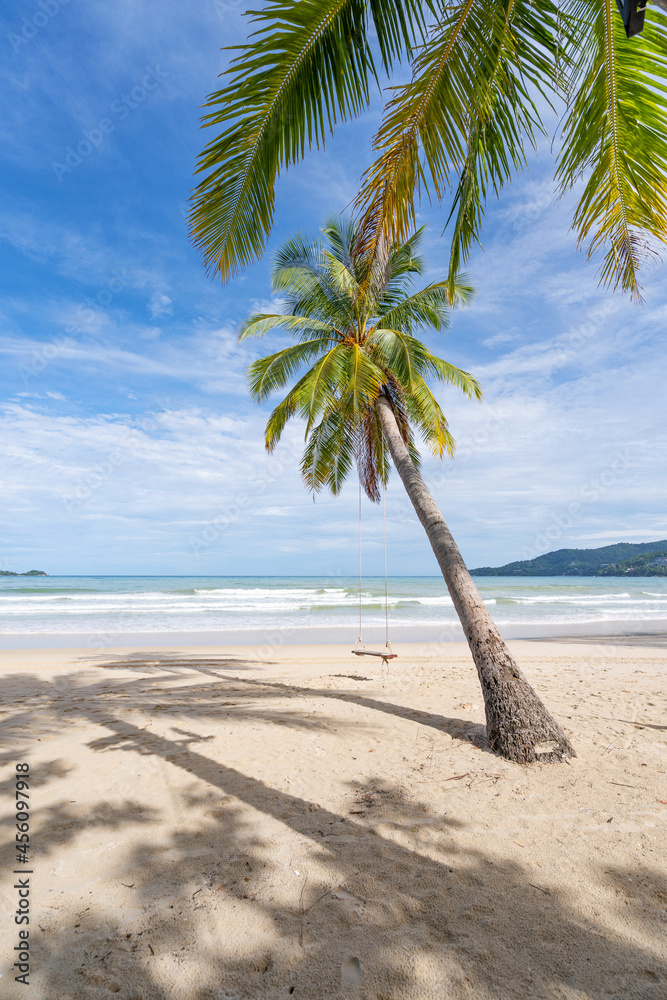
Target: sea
113	610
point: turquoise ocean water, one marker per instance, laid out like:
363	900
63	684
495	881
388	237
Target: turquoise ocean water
152	604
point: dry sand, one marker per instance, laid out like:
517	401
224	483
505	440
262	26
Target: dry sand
208	824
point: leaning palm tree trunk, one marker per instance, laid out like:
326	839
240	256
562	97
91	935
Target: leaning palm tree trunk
518	726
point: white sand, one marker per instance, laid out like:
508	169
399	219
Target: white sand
207	824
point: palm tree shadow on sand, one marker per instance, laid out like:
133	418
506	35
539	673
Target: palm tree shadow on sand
457	728
378	912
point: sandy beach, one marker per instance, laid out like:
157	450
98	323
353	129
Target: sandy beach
218	824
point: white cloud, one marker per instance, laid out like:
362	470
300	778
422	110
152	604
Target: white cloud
563	400
162	478
275	304
647	533
160	305
196	360
504	337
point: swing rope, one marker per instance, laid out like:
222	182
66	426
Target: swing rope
386	595
360	648
359	639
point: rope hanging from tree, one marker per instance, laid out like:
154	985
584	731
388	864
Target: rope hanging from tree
360	649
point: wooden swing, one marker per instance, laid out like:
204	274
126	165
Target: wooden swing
360	649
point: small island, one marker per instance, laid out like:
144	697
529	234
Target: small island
31	572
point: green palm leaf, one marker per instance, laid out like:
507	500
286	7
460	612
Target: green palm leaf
459	127
303	273
452	375
314	393
263	323
266	375
428	307
615	137
329	455
505	117
307	66
364	381
425	412
397	352
469	89
355	356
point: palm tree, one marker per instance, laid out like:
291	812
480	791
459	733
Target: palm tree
482	70
363	394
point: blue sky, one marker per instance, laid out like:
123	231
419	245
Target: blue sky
128	442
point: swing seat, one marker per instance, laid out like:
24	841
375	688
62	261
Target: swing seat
371	652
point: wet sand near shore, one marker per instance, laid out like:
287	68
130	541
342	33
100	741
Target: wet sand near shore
650	639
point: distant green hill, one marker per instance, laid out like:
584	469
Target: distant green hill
621	559
650	564
31	572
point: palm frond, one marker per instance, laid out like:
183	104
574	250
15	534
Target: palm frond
372	456
399	26
328	455
404	258
615	137
322	386
396	352
363	382
428	307
314	394
306	67
355	356
452	375
266	375
396	395
280	417
473	73
342	278
302	275
340	234
263	323
395	392
387	276
425	412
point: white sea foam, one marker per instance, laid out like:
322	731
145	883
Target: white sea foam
182	604
568	598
